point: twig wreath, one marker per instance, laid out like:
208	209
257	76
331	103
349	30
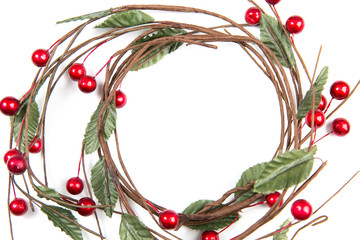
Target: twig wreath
277	182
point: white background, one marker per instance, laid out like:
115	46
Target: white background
194	122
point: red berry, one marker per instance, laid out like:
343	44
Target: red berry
86	201
40	57
295	24
9	106
168	219
273	2
339	90
252	16
9	154
76	71
209	235
301	209
75	185
36	147
319	118
18	207
323	103
17	164
120	99
340	127
87	84
272	198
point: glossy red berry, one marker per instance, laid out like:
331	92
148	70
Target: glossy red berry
40	57
76	71
252	16
87	84
323	103
273	2
18	207
339	90
301	209
209	235
340	127
9	106
86	201
120	99
168	219
272	198
36	147
9	154
319	118
295	24
74	185
17	164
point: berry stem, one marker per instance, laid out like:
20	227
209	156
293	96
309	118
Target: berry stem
93	50
54	44
152	206
13	187
81	158
103	67
256	204
328	105
237	216
322	137
276	12
20	134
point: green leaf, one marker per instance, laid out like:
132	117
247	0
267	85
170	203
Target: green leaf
103	186
273	36
126	19
64	224
154	54
284	231
286	170
251	174
214	225
33	123
306	103
93	15
131	228
91	140
49	192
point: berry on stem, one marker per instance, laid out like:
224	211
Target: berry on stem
301	209
168	219
295	24
74	185
76	71
323	103
9	106
87	84
252	16
36	147
18	207
120	99
272	2
209	235
272	198
339	90
319	118
9	154
340	127
17	164
40	57
86	201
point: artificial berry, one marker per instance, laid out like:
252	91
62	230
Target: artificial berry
9	106
9	154
252	16
86	201
272	198
340	127
36	147
168	219
87	84
301	209
18	207
295	24
40	57
74	185
76	71
319	118
272	2
209	235
17	164
323	103
120	99
339	90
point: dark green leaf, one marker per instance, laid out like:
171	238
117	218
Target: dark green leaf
274	37
126	19
251	174
286	170
91	140
306	103
87	16
131	228
154	54
103	186
61	222
284	230
214	225
49	192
